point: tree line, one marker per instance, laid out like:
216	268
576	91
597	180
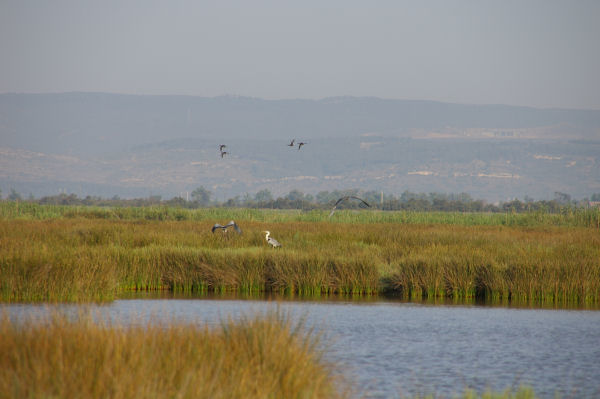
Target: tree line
295	199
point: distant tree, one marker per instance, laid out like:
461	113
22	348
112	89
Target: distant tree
408	196
154	199
177	202
477	206
247	198
201	195
439	203
233	202
324	197
562	198
513	206
295	195
463	197
70	199
416	204
263	196
14	195
89	200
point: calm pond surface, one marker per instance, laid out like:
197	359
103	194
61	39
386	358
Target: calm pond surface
390	348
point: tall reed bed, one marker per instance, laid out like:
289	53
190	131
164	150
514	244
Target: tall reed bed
81	259
72	259
259	357
551	264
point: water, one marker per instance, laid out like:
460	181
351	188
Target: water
396	349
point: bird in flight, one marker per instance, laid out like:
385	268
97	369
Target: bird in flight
300	144
291	144
271	240
225	227
362	203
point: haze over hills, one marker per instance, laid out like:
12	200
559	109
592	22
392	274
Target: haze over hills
127	145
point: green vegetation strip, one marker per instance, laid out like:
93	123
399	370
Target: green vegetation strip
568	216
75	255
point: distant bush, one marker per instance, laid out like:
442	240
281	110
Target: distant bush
295	199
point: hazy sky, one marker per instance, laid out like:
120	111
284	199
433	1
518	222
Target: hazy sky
537	53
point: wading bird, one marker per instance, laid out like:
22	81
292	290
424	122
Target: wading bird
300	144
291	144
223	153
221	147
362	203
224	228
271	240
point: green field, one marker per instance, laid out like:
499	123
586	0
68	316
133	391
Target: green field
61	253
574	217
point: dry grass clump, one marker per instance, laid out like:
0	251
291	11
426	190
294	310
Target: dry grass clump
261	357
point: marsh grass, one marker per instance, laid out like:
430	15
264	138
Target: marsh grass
574	217
80	258
259	357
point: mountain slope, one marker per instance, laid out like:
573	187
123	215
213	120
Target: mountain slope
99	123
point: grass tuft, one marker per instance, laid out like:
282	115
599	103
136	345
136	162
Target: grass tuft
260	357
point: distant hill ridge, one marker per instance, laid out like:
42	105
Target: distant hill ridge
96	123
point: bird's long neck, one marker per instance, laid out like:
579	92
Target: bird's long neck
267	235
